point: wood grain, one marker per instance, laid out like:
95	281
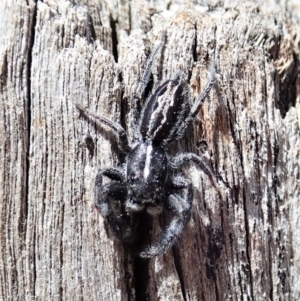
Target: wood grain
242	243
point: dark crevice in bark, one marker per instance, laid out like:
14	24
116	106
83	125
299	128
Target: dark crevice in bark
27	167
141	265
287	88
61	251
88	82
90	145
28	108
4	74
90	33
216	244
195	46
178	268
128	275
114	37
129	18
270	267
123	113
141	279
247	268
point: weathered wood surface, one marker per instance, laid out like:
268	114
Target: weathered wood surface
242	244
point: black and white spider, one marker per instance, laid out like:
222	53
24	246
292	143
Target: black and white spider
150	179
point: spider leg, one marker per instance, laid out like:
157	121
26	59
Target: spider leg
116	128
145	78
102	192
109	202
203	95
180	205
179	161
196	106
113	173
147	72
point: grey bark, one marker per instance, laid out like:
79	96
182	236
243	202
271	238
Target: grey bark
241	244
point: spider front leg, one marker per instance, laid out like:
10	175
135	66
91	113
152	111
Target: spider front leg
180	205
147	69
110	203
116	128
139	93
198	102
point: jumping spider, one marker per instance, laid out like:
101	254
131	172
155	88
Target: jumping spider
150	179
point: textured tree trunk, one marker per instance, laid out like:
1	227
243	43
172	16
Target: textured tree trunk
240	244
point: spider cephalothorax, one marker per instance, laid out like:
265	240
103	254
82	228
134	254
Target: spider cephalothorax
150	179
